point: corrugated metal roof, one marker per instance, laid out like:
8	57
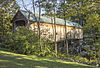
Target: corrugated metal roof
48	19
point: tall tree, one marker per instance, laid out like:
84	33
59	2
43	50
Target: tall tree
7	9
50	7
38	4
64	17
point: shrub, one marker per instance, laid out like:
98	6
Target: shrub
25	41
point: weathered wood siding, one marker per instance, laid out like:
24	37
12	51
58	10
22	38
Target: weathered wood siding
47	30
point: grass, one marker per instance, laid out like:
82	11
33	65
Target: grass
12	60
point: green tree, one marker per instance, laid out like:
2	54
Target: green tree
7	8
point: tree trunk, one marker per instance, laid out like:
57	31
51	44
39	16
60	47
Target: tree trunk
38	24
34	13
55	41
66	41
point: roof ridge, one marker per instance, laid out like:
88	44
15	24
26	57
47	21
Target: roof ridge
48	19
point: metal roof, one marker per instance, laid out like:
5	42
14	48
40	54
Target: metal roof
48	19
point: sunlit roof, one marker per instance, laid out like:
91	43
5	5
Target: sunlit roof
48	19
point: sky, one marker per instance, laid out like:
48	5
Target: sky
28	5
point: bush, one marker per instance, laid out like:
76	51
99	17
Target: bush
25	41
21	41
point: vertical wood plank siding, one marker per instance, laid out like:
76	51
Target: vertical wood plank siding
47	31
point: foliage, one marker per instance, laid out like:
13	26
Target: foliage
92	32
6	11
25	41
